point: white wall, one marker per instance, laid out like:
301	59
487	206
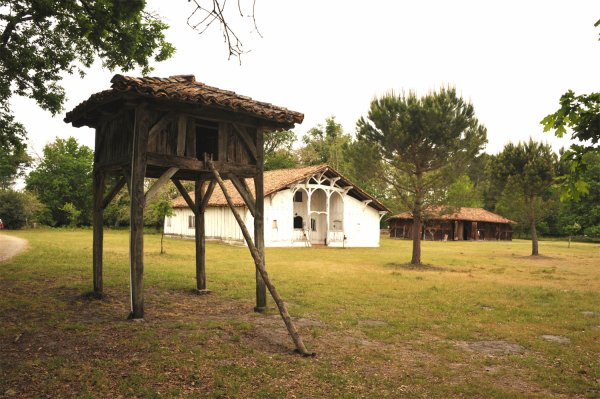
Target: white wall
360	222
219	223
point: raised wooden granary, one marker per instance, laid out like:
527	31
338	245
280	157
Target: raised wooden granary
178	129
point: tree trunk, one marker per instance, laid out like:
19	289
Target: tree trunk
416	233
534	237
416	236
162	235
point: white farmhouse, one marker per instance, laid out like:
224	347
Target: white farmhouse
307	206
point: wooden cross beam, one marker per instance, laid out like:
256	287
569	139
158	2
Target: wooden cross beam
260	267
244	191
243	134
152	191
118	186
161	124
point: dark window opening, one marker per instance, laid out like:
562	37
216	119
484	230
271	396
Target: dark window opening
313	224
298	222
207	140
191	221
298	196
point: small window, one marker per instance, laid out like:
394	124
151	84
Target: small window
298	196
313	224
298	222
274	224
207	140
191	221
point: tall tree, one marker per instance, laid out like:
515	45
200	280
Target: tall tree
463	193
42	39
581	114
530	168
585	211
425	143
278	150
64	176
13	162
326	144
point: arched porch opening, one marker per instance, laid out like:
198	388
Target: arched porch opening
318	216
336	218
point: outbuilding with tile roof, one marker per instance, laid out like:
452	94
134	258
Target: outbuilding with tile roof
306	206
447	224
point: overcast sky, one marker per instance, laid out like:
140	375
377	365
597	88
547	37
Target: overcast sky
511	59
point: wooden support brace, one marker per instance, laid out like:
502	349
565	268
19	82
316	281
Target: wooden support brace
161	124
244	191
152	191
243	134
200	240
207	195
114	191
185	195
260	267
181	135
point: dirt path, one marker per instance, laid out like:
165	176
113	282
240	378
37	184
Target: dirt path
10	246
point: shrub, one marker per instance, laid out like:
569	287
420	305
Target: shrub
12	209
592	231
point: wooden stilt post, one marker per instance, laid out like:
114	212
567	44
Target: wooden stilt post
260	267
98	221
200	239
259	222
136	243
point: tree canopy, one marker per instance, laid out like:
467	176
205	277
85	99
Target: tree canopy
528	171
42	39
325	144
64	176
424	143
581	115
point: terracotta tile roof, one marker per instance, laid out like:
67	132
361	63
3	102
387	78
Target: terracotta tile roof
468	214
185	88
276	180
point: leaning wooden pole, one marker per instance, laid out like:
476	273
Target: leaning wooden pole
260	267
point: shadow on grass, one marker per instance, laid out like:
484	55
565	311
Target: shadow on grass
421	268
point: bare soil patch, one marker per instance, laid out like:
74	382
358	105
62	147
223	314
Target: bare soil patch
504	347
11	246
559	339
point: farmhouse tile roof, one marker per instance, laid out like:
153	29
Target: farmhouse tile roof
277	180
468	214
185	88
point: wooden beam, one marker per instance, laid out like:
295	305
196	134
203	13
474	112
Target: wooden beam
244	193
200	241
127	175
243	134
181	135
207	195
195	165
260	266
152	191
98	235
161	124
114	191
136	241
185	195
259	222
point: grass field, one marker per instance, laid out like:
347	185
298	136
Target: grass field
482	319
